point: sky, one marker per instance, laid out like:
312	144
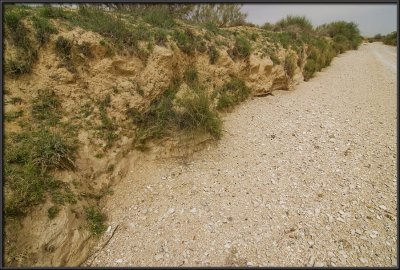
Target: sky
371	19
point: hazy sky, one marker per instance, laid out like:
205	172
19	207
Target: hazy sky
371	18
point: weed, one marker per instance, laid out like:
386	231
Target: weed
232	93
160	37
63	50
242	47
48	11
186	41
52	212
197	116
213	54
95	220
84	48
290	65
191	76
10	116
158	15
45	107
44	28
107	125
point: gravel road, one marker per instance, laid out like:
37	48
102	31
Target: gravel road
302	178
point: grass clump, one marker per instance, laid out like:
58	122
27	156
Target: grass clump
29	156
160	37
191	76
290	65
44	28
107	126
53	211
390	39
294	24
232	93
242	48
63	50
48	11
45	107
186	41
19	34
197	115
95	220
213	54
11	116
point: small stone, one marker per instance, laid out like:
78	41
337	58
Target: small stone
193	210
119	261
363	260
358	231
311	261
340	219
171	211
311	243
319	264
373	234
382	207
250	264
158	257
331	254
227	246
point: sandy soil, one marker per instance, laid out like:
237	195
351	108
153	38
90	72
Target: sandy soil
301	178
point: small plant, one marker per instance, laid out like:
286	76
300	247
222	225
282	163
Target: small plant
197	115
84	48
232	93
213	54
242	47
48	11
95	220
10	116
45	107
44	29
107	125
186	41
290	65
63	50
160	37
191	76
52	212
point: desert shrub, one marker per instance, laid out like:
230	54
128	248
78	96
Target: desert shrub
63	50
218	14
186	41
270	51
390	39
242	48
28	158
107	126
19	34
295	24
197	115
232	93
95	220
345	34
44	28
191	76
84	48
159	15
309	69
213	54
268	26
160	37
48	11
45	107
290	65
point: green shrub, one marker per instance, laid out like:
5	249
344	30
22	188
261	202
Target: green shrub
63	50
44	28
191	76
186	41
48	11
213	54
45	107
309	69
84	48
232	93
197	115
390	39
159	15
295	23
95	220
242	47
290	65
160	37
107	126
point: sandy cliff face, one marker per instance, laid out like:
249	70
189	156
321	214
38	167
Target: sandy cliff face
130	82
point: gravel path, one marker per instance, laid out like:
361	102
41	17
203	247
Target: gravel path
301	178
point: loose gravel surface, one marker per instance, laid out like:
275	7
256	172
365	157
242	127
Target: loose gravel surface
302	178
